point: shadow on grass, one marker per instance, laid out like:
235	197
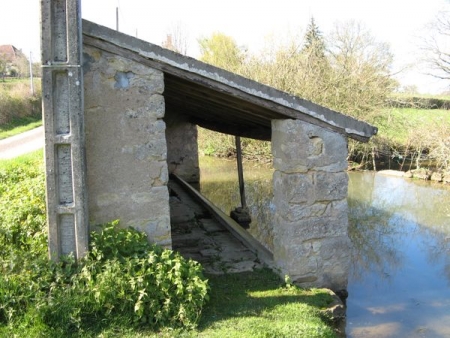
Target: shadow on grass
252	293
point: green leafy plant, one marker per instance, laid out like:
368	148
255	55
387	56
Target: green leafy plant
157	287
124	279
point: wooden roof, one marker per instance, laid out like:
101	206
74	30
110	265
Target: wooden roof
219	100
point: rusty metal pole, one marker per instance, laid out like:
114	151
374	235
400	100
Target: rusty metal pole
240	171
241	214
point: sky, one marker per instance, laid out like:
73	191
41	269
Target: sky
249	22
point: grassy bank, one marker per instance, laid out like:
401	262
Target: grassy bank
402	125
413	138
42	299
17	101
19	125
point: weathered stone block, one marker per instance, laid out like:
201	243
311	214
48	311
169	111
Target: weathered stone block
299	226
330	186
326	268
298	146
308	188
310	232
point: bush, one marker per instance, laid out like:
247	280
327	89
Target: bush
16	101
156	287
22	210
124	280
149	286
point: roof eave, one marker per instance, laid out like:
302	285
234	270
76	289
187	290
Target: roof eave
291	106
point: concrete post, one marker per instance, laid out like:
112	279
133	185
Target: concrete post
62	89
311	242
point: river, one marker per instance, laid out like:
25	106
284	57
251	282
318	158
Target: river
399	283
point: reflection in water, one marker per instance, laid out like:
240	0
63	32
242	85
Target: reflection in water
400	280
219	183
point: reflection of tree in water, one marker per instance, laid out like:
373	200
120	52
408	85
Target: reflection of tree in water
386	212
437	247
373	238
261	208
371	231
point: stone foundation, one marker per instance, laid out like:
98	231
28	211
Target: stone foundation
311	242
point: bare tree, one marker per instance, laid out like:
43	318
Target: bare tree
436	46
361	70
177	38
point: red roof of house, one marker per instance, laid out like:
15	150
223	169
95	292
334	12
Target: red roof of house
10	53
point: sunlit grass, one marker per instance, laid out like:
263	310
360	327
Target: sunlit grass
19	125
257	304
35	159
397	124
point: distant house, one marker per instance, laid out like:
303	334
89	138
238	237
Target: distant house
14	62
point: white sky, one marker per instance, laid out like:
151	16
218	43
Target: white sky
397	22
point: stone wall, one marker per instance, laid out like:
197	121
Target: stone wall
182	148
126	150
311	242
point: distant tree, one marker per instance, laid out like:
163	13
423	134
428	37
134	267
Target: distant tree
177	38
361	79
22	66
409	89
3	64
314	43
37	69
435	43
222	51
347	71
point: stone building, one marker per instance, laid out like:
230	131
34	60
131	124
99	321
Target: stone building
121	115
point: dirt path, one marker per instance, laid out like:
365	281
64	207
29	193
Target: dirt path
21	144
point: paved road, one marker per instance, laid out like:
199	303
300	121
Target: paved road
21	144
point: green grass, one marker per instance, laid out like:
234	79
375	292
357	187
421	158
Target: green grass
256	304
400	124
32	159
17	101
253	304
19	125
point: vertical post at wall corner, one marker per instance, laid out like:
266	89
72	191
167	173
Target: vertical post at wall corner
63	113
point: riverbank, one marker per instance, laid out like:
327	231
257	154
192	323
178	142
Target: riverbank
420	174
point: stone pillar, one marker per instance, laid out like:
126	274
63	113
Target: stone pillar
125	144
182	148
62	93
311	242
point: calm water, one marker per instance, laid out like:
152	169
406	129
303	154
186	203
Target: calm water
399	285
